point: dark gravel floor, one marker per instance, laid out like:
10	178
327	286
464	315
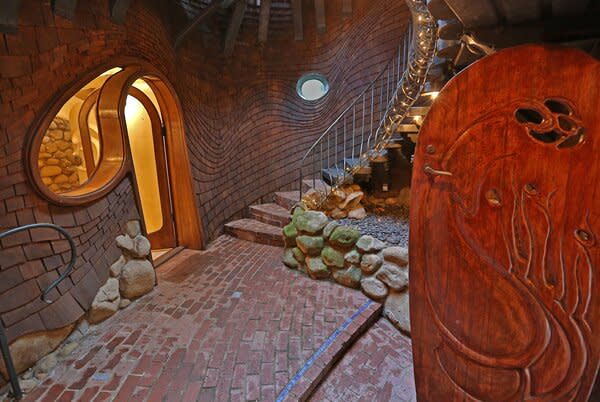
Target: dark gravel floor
392	229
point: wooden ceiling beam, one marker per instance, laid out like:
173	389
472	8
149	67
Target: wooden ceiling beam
64	8
118	10
320	15
201	17
263	20
347	7
9	16
234	27
297	18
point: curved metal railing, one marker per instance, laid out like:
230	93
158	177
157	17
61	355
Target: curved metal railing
418	48
348	135
8	362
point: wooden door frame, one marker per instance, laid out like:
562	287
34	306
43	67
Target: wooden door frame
110	114
167	231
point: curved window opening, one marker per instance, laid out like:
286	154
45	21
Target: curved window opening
312	86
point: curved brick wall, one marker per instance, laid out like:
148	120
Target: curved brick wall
246	128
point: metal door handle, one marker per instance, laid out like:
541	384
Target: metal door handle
434	172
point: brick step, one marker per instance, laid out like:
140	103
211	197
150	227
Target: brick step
317	184
273	214
255	231
287	199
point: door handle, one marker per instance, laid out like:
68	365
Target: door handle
434	172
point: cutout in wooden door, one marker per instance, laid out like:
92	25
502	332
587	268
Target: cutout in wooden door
146	140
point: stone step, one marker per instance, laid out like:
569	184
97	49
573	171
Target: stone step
273	214
287	199
255	231
317	184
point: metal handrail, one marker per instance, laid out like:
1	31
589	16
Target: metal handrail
8	361
392	64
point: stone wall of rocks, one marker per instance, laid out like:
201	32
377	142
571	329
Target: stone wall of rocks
59	157
325	249
131	276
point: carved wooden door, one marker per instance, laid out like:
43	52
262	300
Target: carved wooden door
505	300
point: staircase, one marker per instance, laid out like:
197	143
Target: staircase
265	221
389	111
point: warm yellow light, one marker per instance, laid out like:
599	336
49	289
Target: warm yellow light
433	94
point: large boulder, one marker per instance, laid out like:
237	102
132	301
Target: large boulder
374	288
349	277
397	310
310	245
393	276
311	222
137	278
369	244
396	255
106	302
344	237
370	263
332	257
316	269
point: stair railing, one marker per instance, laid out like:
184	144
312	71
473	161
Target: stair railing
415	55
4	347
348	136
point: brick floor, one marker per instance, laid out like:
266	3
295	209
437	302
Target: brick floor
377	368
228	324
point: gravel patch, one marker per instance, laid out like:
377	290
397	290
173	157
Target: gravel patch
391	229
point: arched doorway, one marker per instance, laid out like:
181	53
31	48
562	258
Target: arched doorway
118	122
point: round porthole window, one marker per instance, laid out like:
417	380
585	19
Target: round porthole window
312	86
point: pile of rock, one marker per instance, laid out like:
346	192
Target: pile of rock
131	276
325	249
58	159
341	202
388	203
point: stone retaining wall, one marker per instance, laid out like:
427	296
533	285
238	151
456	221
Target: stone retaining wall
325	249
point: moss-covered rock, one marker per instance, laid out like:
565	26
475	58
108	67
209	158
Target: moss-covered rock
332	257
298	210
289	260
310	245
329	229
348	277
298	254
289	235
311	222
316	269
344	237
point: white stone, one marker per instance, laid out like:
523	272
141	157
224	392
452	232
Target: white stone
132	228
106	302
397	310
115	269
370	263
141	246
358	213
137	278
396	255
125	243
393	276
352	200
374	288
369	244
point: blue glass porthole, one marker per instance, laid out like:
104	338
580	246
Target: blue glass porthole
312	86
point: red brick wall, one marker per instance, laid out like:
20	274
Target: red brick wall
245	125
44	58
247	128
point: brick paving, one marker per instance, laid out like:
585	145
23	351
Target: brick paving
377	368
228	324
